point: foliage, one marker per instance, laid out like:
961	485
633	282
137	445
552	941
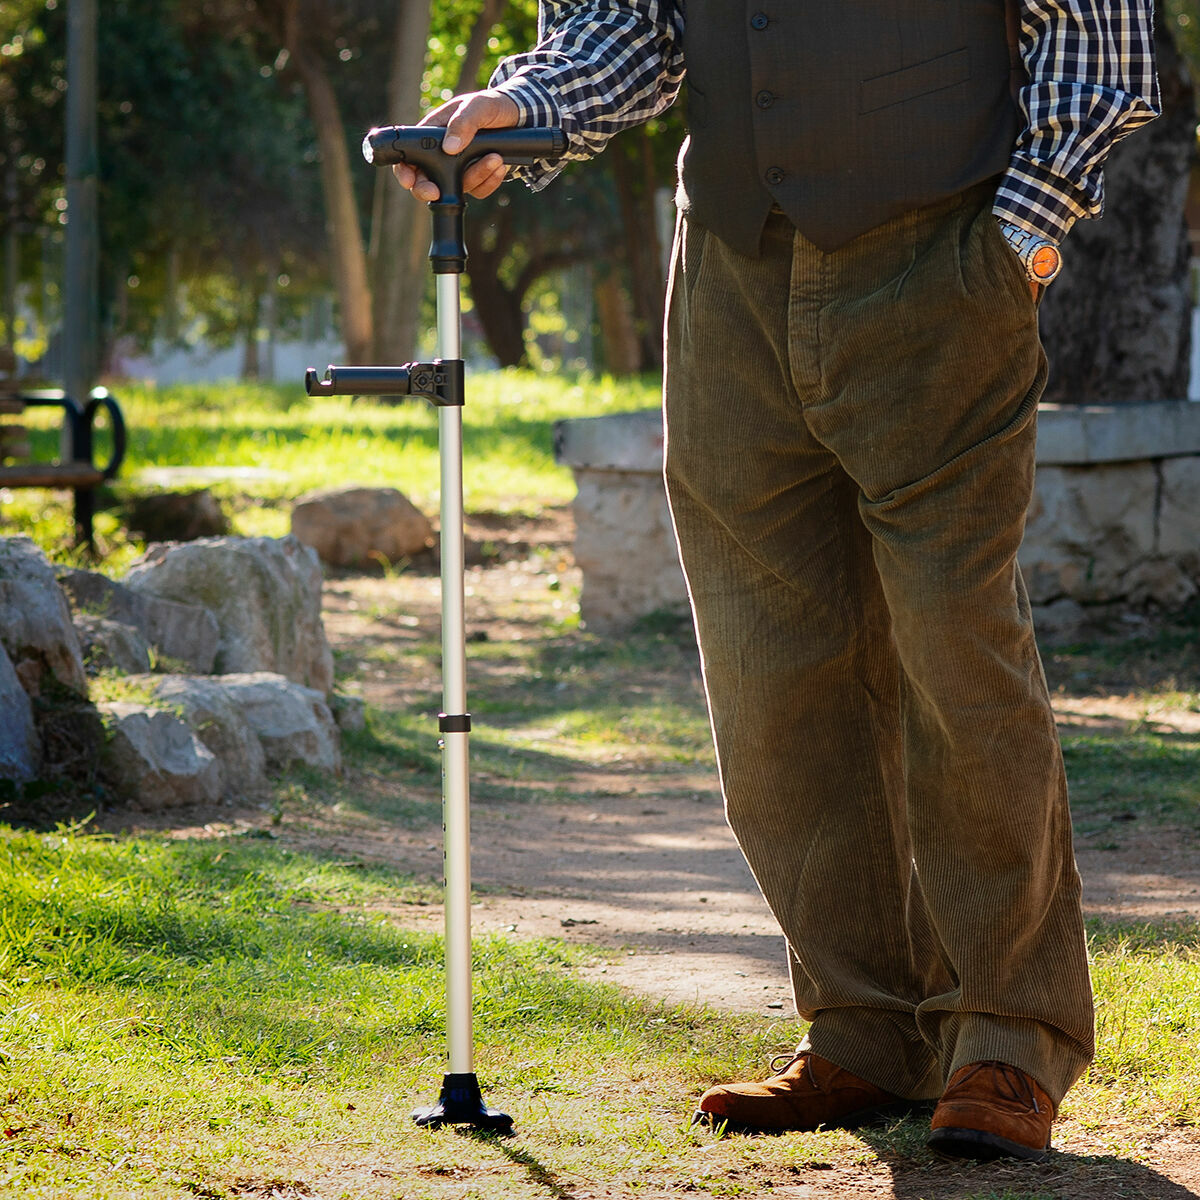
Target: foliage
210	176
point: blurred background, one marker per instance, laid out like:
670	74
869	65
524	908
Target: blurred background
238	234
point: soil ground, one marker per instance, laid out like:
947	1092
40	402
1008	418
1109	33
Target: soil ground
634	856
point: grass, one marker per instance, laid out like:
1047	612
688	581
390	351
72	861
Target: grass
294	444
224	1017
228	1016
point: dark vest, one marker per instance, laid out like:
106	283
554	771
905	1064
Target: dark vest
844	113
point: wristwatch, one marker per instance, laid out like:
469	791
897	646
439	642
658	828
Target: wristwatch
1039	256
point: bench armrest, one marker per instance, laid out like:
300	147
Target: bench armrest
80	419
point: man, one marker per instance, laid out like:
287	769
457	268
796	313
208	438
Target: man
871	196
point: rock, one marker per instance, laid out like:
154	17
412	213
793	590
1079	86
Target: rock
20	747
292	722
177	516
183	635
1159	581
111	646
1087	527
265	594
351	526
35	621
1060	620
154	761
350	712
213	716
1179	515
625	547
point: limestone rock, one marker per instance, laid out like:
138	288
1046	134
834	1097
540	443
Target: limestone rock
111	645
155	761
351	526
625	547
1060	620
292	722
177	516
20	748
1087	527
1179	516
35	621
350	712
1159	581
205	704
182	634
265	594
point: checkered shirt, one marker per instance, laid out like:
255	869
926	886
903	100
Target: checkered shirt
601	66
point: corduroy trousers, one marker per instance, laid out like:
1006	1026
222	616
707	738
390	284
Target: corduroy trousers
850	455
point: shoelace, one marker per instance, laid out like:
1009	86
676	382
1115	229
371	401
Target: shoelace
781	1062
1008	1081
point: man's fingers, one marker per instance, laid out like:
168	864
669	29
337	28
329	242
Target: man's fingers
482	178
462	118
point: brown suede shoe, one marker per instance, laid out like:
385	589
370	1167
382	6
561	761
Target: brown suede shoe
808	1092
991	1110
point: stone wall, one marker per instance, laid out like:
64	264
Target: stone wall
1114	523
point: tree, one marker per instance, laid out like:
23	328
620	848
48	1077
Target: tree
1117	323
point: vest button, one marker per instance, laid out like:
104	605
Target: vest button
764	99
775	176
760	20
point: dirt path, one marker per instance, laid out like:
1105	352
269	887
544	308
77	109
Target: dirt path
639	858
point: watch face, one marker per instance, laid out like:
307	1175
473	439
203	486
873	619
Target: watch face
1045	263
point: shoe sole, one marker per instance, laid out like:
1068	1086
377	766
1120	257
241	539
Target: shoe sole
854	1120
981	1146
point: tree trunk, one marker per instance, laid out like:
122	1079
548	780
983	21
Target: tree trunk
400	232
500	315
622	351
1117	323
345	231
468	75
633	173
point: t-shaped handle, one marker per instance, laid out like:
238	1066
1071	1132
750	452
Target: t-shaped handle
421	146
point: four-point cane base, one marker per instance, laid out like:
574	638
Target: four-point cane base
461	1103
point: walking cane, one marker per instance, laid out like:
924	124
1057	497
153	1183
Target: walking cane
441	382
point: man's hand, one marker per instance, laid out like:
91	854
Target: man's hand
462	118
1034	287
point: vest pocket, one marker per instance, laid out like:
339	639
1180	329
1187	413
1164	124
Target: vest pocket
912	82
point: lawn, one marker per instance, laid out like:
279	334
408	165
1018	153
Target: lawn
238	1006
258	447
218	1017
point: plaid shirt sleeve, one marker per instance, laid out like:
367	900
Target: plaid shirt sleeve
599	67
1091	81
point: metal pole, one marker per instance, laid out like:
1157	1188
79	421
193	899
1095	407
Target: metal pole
80	352
455	771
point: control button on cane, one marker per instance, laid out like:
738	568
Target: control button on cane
760	21
764	99
775	175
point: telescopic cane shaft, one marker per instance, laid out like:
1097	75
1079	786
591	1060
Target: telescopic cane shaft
455	755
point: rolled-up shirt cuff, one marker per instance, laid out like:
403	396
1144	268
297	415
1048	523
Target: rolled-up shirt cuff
535	103
1035	198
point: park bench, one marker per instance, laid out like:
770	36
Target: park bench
77	471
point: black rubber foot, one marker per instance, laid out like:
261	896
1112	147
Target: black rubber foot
461	1103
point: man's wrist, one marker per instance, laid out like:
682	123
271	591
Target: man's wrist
1039	256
